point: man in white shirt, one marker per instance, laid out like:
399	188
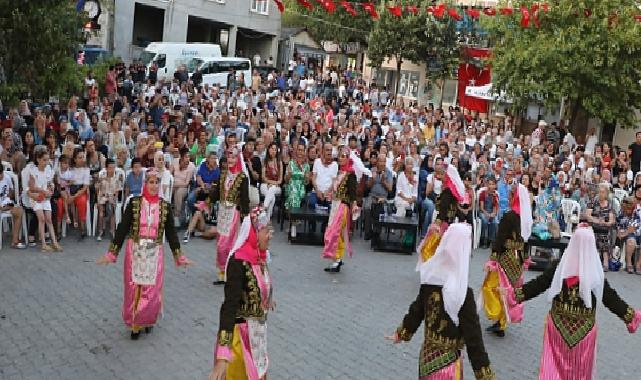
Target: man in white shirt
323	174
406	189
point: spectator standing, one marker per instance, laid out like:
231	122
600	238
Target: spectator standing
40	191
110	82
109	185
489	208
601	217
183	171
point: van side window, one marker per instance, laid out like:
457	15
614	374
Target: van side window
161	61
204	69
241	65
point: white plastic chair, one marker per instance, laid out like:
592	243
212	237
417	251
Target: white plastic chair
571	210
6	215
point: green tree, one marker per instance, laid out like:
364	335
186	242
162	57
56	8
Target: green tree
418	37
38	41
338	26
588	52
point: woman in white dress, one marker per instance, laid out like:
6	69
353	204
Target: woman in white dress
40	191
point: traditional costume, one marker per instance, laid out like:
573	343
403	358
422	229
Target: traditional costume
232	192
507	263
147	219
446	210
342	210
446	304
574	286
248	291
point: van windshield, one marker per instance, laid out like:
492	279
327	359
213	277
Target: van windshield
146	57
192	64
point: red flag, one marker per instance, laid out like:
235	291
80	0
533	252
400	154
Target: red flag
430	9
412	9
348	8
370	8
506	11
638	18
546	7
395	10
587	12
454	14
306	4
490	11
439	11
279	4
474	13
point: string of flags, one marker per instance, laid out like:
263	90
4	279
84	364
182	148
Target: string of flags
528	15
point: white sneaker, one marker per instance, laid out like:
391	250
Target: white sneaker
99	237
186	238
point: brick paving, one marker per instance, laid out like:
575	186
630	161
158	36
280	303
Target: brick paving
60	319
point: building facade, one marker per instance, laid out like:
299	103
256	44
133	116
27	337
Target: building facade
242	27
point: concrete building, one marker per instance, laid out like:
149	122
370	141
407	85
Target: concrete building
241	27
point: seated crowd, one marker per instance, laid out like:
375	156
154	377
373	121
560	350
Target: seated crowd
74	167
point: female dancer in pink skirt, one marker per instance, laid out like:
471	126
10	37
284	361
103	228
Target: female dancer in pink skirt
147	219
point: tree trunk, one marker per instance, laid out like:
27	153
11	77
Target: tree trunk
399	62
442	89
576	106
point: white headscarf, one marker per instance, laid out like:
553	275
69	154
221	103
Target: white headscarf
525	212
580	259
450	267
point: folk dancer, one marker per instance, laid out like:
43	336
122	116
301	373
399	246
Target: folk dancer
574	286
446	304
232	192
146	221
507	263
447	207
343	208
241	346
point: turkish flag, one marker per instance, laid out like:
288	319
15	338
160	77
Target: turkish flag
470	75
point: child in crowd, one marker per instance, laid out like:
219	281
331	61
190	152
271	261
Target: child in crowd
109	185
65	176
133	183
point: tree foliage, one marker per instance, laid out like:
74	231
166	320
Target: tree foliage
588	52
338	26
420	38
38	39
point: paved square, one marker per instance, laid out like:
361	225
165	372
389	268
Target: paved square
60	319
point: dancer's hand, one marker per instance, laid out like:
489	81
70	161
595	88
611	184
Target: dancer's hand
103	260
394	338
219	371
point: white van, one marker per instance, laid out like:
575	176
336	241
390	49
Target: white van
169	55
216	69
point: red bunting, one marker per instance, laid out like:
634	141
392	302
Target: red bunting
395	10
279	4
638	18
348	8
490	11
506	11
328	5
587	13
546	7
525	17
306	4
454	14
413	9
371	9
439	11
474	13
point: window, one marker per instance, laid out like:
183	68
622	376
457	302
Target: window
260	6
